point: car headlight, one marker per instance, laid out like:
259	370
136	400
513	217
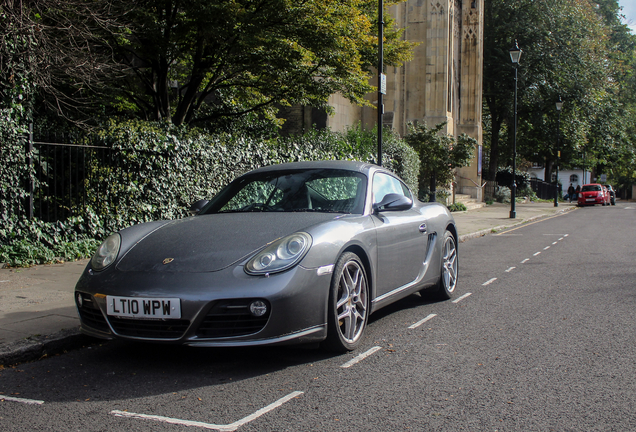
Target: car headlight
280	255
106	253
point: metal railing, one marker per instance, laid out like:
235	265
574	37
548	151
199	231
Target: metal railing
63	175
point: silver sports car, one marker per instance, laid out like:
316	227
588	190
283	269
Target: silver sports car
293	253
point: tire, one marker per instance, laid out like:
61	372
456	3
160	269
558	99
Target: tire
348	309
449	269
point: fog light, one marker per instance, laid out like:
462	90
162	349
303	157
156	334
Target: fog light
258	308
80	300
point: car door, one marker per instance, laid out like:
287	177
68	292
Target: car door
401	238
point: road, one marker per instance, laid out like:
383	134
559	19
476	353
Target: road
540	336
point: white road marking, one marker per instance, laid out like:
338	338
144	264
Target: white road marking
525	260
420	322
457	300
546	248
21	400
229	427
4	281
565	235
510	269
561	238
488	282
360	357
536	254
554	242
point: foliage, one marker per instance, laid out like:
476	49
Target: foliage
208	61
576	50
504	178
457	207
156	170
439	154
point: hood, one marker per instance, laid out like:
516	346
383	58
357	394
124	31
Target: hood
213	242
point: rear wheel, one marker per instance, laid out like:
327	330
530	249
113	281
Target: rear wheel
448	274
348	309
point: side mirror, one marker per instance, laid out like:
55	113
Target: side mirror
196	207
393	202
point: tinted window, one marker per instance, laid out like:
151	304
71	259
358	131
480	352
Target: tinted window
319	190
590	188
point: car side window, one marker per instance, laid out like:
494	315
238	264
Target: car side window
384	184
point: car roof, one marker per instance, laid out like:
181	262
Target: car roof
362	167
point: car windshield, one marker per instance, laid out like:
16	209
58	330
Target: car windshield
313	190
590	188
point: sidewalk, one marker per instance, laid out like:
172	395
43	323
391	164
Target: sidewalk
37	309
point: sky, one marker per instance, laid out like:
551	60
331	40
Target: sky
629	10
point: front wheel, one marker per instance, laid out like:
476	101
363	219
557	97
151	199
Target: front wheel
449	271
348	309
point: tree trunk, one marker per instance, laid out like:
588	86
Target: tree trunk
432	197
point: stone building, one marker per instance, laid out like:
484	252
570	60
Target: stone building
443	82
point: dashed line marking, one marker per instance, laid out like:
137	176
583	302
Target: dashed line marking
488	282
561	238
554	242
422	321
361	357
546	248
457	300
21	400
536	254
229	427
525	260
510	269
565	235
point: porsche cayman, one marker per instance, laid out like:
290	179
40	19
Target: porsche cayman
293	253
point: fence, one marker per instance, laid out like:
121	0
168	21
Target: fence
62	175
543	189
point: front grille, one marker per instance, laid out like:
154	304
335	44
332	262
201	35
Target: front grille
90	314
154	329
229	318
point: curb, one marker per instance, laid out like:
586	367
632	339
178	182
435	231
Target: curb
37	347
494	230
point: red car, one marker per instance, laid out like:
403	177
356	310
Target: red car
593	193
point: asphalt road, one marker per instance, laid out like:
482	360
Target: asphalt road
540	337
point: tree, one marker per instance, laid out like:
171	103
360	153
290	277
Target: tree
572	49
439	155
202	60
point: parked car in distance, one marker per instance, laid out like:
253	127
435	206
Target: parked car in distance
294	253
591	194
612	194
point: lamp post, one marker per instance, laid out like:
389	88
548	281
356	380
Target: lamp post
515	54
559	105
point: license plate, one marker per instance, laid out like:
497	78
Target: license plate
591	199
143	307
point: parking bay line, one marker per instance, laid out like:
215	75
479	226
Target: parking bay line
457	300
360	357
21	400
229	427
422	321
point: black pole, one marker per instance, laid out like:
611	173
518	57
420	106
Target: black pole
513	193
556	184
29	198
380	70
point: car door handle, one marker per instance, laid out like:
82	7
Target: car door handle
423	228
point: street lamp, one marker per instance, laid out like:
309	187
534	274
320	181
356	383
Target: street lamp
515	54
559	105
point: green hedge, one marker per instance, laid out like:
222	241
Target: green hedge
161	169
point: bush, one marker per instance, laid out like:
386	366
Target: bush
159	169
456	207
